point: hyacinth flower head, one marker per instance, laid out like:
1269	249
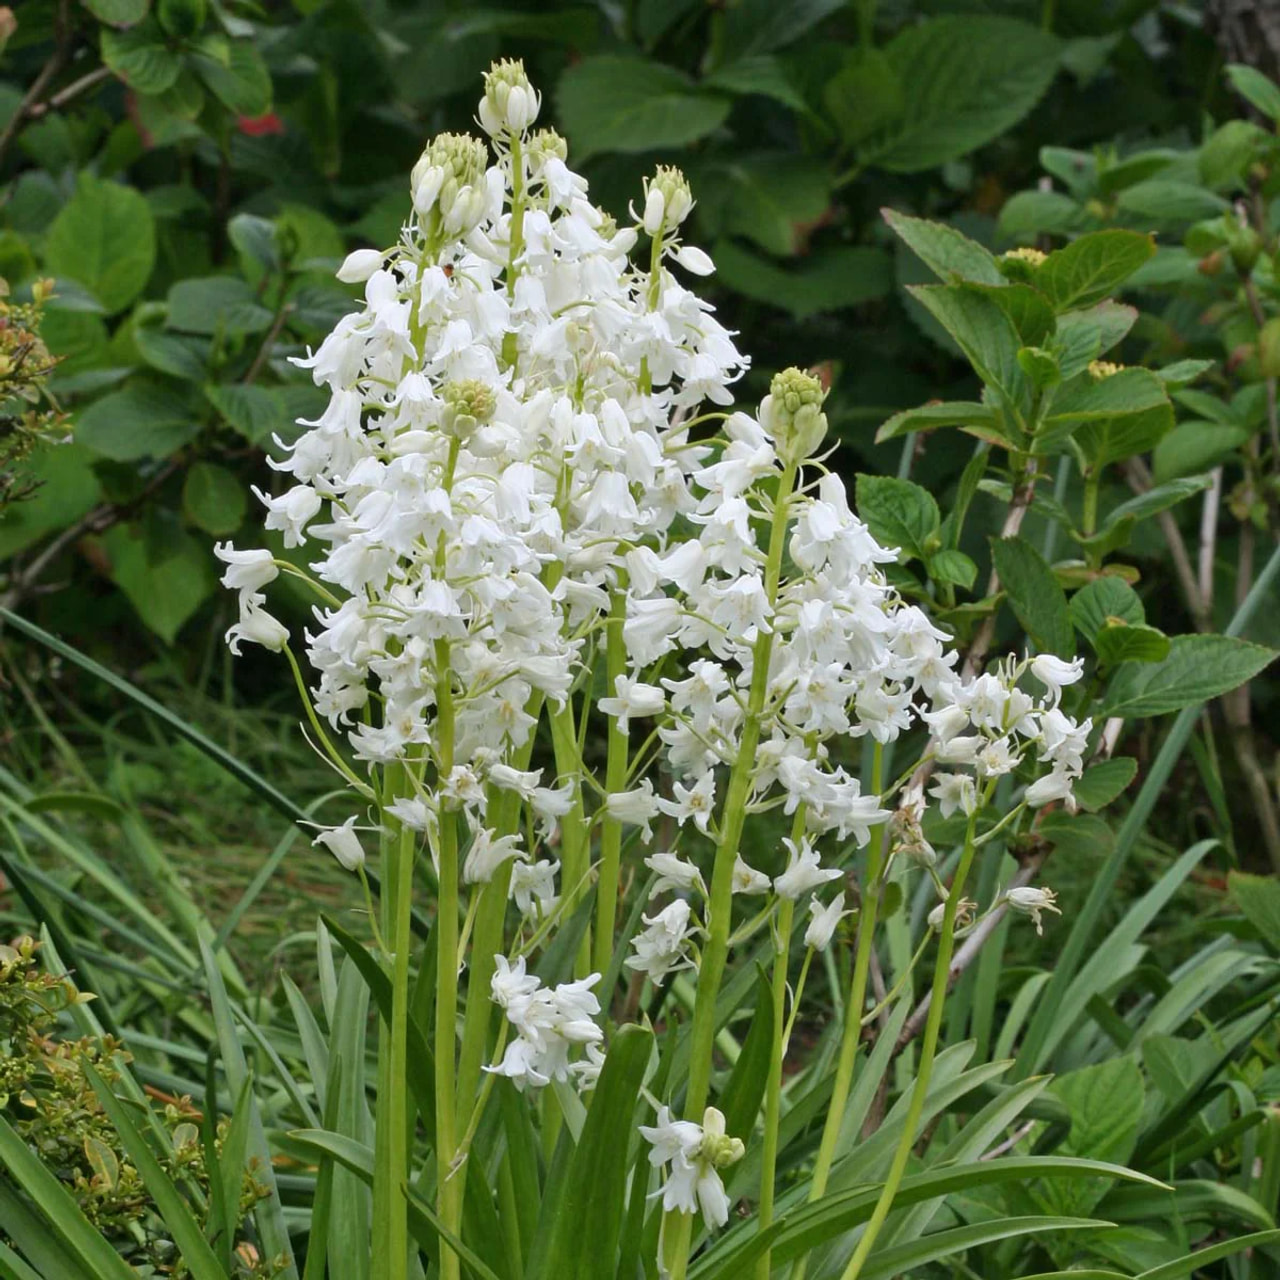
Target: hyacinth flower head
533	467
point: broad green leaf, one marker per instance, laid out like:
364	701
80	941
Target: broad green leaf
1258	897
213	499
235	74
948	253
1255	88
613	103
1075	835
141	57
826	280
1076	170
1228	152
144	419
174	354
1118	642
1101	783
983	332
900	514
1104	441
589	1214
1040	366
1091	268
1105	1104
1034	595
12	1266
759	74
166	583
952	567
865	94
1029	214
1083	336
966	80
1198	668
1182	372
68	489
257	413
1161	498
1192	446
119	13
181	19
176	1212
769	197
1088	398
929	417
761	26
1030	314
1166	202
216	304
104	238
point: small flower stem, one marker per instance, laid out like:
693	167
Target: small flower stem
733	818
617	767
928	1050
853	1009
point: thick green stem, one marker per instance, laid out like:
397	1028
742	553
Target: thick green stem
616	768
867	919
397	1222
575	854
773	1085
733	817
448	1188
928	1050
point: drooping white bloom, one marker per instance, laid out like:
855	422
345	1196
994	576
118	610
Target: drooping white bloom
344	844
747	880
1031	901
673	873
804	871
246	570
663	945
1055	674
823	921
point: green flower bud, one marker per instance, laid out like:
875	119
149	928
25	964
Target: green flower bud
792	414
510	103
449	177
467	405
718	1148
1020	264
1245	245
668	199
545	144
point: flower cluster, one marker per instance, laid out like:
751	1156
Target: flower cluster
517	480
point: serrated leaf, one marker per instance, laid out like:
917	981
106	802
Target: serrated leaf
171	353
756	26
1034	595
104	237
1104	598
1040	366
1118	642
1092	268
1181	373
929	417
141	57
1082	336
1193	446
213	499
1258	898
1029	214
865	94
1228	152
257	413
1161	498
612	103
953	567
216	304
143	419
238	79
760	74
1101	783
1166	202
768	196
966	81
946	251
1198	668
899	514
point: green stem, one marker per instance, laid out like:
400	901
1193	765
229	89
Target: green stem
617	767
773	1084
733	817
448	1188
1089	514
856	1002
928	1050
574	844
397	1222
